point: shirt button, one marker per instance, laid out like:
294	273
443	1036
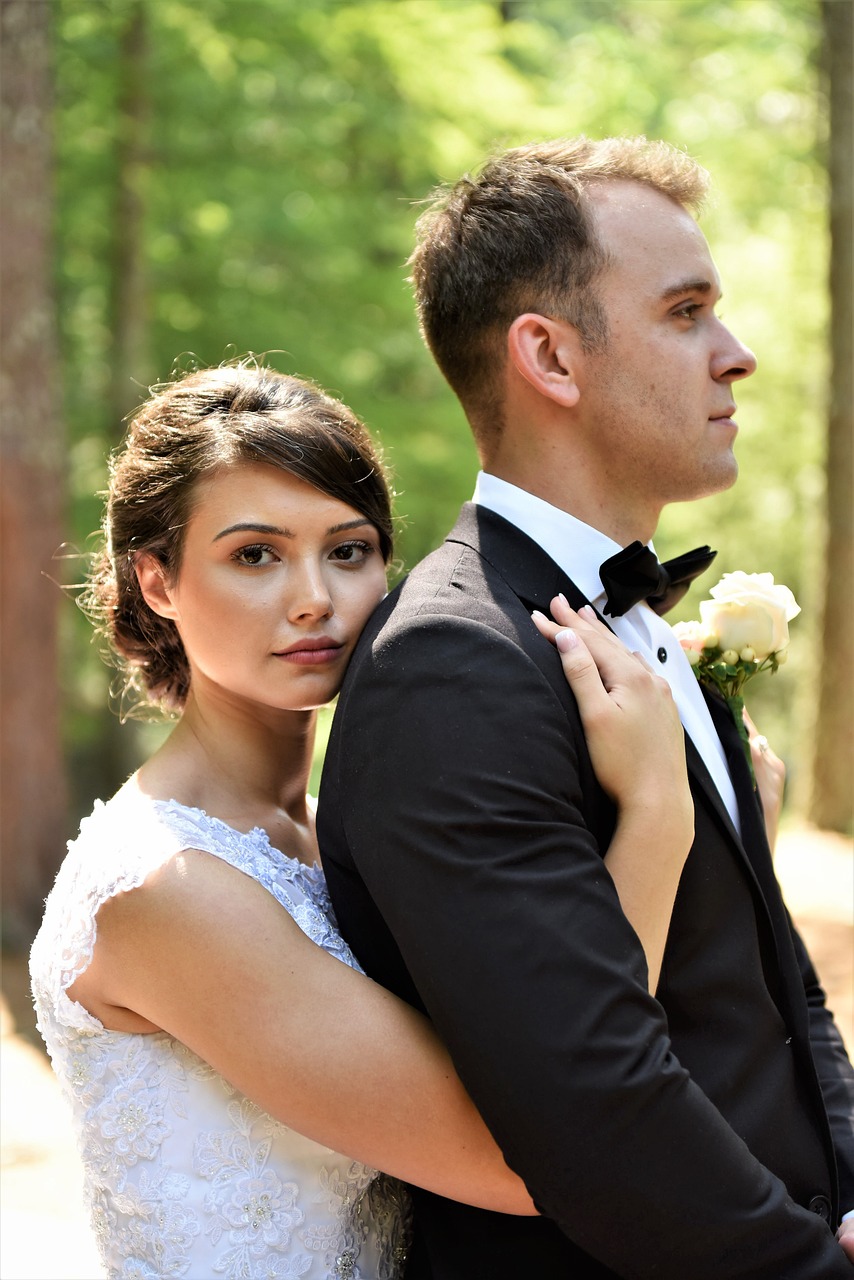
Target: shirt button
662	654
821	1206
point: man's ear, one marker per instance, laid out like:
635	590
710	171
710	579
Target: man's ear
151	577
546	352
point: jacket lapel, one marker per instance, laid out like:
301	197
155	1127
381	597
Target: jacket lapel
531	574
751	847
758	856
697	768
752	824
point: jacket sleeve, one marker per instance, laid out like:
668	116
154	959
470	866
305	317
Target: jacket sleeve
835	1073
466	821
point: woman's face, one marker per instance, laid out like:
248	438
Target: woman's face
276	582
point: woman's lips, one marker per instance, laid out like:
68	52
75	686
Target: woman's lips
310	653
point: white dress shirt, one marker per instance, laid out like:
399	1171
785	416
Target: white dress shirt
580	550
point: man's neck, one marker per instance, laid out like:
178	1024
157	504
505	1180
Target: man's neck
592	504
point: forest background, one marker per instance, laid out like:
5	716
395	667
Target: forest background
187	180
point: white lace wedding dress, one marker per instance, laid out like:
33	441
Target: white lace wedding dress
184	1176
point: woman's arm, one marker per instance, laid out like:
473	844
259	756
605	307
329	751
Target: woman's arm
207	954
637	746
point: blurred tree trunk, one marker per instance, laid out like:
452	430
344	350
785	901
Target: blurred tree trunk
831	804
129	318
114	753
32	823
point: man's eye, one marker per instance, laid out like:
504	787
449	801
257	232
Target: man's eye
688	310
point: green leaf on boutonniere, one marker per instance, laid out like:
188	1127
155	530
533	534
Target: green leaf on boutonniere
735	702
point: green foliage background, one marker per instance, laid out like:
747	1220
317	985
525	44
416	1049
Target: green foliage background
288	143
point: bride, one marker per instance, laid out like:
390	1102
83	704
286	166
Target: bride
210	1028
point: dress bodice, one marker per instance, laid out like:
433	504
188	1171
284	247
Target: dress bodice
183	1175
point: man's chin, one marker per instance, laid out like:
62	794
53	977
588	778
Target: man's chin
707	486
729	479
723	477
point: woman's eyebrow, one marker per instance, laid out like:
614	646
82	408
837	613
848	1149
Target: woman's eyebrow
249	527
348	524
274	530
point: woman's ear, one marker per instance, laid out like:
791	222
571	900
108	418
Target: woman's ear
546	353
151	576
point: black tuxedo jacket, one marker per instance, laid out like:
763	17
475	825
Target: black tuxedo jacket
695	1136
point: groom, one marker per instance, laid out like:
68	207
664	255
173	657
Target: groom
569	298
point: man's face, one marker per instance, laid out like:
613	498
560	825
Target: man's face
657	403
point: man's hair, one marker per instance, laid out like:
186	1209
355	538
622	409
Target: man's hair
520	236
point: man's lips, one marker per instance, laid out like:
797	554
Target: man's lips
311	651
726	415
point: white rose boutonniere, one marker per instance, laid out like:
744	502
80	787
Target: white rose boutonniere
748	610
743	629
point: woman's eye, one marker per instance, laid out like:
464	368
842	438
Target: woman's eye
257	554
352	552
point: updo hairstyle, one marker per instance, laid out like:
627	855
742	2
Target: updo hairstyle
236	413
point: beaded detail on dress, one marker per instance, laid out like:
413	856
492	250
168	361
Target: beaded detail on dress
183	1175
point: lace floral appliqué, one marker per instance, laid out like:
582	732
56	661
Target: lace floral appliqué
184	1176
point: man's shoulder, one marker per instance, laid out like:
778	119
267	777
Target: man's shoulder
462	578
451	591
466	604
485	567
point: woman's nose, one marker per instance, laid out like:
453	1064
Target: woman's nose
309	595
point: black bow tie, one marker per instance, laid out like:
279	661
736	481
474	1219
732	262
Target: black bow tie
634	574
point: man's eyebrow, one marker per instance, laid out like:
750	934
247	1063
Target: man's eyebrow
687	286
274	531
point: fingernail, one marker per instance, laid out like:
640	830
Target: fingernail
562	597
587	611
535	613
566	640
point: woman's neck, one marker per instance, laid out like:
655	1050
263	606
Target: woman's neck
244	766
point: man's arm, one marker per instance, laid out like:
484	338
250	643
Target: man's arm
833	1067
835	1073
468	827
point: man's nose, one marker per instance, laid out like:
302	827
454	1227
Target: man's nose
736	361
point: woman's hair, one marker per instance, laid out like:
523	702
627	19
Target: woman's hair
238	413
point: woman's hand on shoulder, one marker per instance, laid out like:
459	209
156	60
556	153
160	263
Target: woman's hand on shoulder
631	722
637	746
